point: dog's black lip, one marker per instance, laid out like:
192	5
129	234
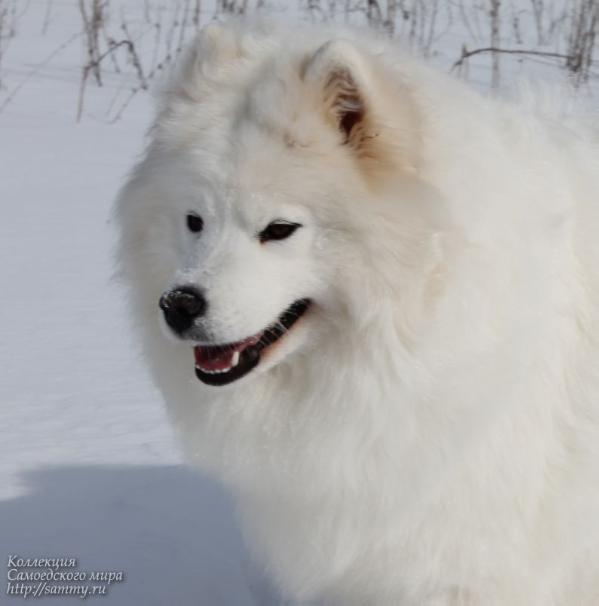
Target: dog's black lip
249	358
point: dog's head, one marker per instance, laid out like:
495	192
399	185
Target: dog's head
280	187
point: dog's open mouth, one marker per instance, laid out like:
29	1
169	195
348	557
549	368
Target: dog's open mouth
222	364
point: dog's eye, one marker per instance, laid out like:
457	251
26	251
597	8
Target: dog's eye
195	223
277	230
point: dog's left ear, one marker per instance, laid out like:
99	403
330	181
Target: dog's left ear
357	101
337	69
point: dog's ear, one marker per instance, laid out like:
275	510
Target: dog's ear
358	102
218	45
205	62
338	71
215	47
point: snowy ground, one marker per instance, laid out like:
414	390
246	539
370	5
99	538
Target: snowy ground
88	466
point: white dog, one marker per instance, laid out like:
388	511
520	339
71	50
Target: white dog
388	287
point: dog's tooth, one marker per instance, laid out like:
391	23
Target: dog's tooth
235	359
215	371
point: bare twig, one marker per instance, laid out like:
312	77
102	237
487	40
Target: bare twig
36	70
47	16
3	37
92	26
495	40
585	20
466	54
135	60
90	67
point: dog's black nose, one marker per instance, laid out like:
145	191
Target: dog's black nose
182	306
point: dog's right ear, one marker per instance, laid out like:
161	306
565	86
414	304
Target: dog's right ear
205	62
215	47
371	120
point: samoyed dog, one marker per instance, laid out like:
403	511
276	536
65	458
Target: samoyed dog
370	297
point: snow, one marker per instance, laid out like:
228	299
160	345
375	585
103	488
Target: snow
88	465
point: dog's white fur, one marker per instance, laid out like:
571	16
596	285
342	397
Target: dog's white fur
428	433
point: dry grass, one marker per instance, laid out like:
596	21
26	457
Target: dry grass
128	44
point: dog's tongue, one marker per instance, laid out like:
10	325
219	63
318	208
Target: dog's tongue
221	358
209	358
